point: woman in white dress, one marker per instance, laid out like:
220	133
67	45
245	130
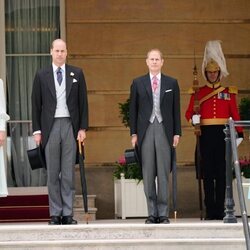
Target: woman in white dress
3	118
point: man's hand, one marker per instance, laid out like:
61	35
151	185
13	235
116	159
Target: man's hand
134	140
196	119
37	138
240	138
239	141
2	137
176	140
81	135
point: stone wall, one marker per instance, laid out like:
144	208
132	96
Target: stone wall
109	40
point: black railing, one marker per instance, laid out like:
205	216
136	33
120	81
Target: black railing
232	162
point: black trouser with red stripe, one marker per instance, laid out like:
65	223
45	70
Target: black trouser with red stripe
213	163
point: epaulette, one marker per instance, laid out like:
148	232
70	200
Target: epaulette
191	91
233	90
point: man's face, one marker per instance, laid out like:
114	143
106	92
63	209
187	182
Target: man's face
59	53
154	62
212	76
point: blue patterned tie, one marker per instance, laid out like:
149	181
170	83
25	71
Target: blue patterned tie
59	76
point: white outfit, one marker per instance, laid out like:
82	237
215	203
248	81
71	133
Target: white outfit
3	118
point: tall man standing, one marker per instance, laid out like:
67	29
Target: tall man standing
155	128
59	117
217	104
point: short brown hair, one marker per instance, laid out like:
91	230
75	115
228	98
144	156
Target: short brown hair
59	39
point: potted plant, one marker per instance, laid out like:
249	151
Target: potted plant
129	194
245	166
130	200
245	178
130	170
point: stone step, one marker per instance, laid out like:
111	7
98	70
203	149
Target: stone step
41	192
34	207
79	213
80	216
78	203
203	235
140	244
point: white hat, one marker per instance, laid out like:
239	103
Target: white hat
214	59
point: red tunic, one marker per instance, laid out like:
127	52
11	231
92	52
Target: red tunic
217	109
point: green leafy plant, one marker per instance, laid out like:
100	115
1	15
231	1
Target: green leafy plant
130	171
245	166
124	112
244	108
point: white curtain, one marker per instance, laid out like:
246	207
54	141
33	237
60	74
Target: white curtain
31	26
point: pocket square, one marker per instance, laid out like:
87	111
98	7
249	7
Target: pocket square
168	90
74	80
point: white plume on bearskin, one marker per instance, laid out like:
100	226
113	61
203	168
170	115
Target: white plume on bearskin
213	52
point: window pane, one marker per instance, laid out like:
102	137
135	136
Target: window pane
31	26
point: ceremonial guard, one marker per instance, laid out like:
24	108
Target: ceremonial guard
216	105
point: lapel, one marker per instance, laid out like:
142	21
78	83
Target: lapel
147	85
164	87
69	80
50	81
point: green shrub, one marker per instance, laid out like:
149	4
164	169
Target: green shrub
244	108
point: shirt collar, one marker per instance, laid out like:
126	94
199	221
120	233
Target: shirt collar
56	67
158	76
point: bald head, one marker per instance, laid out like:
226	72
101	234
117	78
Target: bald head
59	40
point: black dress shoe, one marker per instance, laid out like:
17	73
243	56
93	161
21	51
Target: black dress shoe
68	220
151	220
55	220
220	216
164	220
209	217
